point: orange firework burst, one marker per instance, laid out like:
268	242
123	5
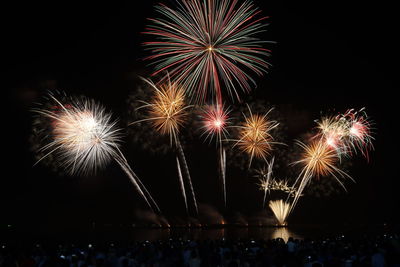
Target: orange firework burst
255	137
319	159
167	109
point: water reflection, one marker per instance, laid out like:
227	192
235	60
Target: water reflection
219	233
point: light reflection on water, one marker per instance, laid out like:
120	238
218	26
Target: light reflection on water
219	233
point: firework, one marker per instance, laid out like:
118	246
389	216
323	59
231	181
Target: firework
334	130
359	131
275	185
181	184
319	159
265	179
281	210
215	122
255	137
347	133
84	138
167	111
205	43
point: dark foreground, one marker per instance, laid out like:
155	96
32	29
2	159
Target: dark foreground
357	250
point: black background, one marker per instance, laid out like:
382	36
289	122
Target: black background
328	57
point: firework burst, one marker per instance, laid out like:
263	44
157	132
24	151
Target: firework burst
84	138
359	131
215	120
255	137
347	133
319	159
205	43
167	111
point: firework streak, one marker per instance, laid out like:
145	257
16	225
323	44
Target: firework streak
167	111
281	211
215	121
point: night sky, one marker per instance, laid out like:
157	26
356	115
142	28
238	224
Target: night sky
327	58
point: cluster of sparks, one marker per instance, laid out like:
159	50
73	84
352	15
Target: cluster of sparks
281	211
83	135
255	137
276	185
167	109
84	138
347	133
215	120
205	43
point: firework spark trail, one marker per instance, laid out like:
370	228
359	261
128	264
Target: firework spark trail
139	182
167	113
120	159
215	119
182	185
85	139
182	158
205	43
222	161
281	210
267	181
319	159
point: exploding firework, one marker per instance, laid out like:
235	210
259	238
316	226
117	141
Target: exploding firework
334	130
347	133
167	111
359	131
205	43
319	159
84	138
255	137
281	210
215	122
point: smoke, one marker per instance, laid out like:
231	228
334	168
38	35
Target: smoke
263	218
148	217
239	218
210	215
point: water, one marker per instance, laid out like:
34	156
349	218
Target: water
120	233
